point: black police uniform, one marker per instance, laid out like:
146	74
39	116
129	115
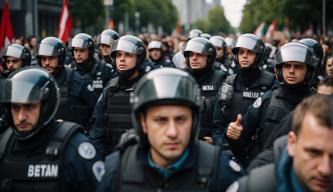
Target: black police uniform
97	73
112	114
58	158
247	87
159	63
205	169
77	97
262	118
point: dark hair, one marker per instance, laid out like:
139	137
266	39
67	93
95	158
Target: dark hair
320	106
327	81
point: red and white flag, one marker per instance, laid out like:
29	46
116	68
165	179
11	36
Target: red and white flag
260	29
270	30
65	24
6	33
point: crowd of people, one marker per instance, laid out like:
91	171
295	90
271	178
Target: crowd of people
148	113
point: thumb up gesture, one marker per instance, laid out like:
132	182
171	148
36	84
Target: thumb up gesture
235	128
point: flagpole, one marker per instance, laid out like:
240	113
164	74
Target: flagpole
36	32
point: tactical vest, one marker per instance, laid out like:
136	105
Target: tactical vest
38	173
243	97
202	177
117	115
209	90
71	108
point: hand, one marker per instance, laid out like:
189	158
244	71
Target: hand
235	128
208	140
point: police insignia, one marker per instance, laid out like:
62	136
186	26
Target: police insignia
90	88
234	166
98	169
257	103
87	150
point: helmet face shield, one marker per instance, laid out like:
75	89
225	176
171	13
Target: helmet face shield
14	51
47	50
155	45
124	45
20	92
79	43
106	39
195	46
218	41
249	43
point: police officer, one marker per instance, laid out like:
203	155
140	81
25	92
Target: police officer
200	56
221	62
112	112
15	56
97	73
306	163
38	153
156	57
168	157
240	90
295	65
77	97
105	40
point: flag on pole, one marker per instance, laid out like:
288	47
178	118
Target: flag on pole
270	30
260	29
6	33
65	24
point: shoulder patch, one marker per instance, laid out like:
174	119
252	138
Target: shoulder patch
233	187
98	169
257	103
87	150
234	166
90	88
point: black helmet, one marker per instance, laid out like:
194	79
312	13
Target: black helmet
219	41
51	46
200	45
28	85
315	45
194	33
83	40
107	37
268	50
182	89
129	44
296	51
251	42
18	51
155	45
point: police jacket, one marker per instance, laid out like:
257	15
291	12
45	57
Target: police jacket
262	118
242	96
112	114
98	73
58	158
279	176
77	97
205	169
160	63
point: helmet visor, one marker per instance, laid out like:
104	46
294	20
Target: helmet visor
19	92
79	43
155	45
295	53
47	50
106	39
13	51
249	43
195	46
217	42
126	46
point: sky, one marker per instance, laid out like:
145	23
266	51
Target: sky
233	10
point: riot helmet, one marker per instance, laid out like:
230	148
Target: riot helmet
30	85
129	44
17	51
52	46
107	37
82	41
317	48
296	51
194	33
155	45
206	35
219	41
202	46
182	89
251	42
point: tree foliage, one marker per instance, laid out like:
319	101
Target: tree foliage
297	14
216	22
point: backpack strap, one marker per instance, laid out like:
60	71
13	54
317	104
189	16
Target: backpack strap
131	168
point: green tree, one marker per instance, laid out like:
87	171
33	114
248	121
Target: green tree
217	22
